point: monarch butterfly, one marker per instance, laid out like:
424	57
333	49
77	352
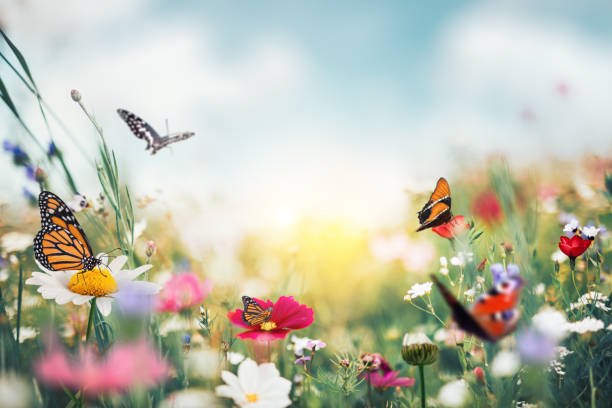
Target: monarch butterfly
253	314
143	130
437	211
61	244
494	314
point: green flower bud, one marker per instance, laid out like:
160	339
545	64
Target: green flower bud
417	349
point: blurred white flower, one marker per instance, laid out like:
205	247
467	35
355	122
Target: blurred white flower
470	293
558	256
204	363
192	398
539	289
418	255
25	333
557	364
572	226
586	325
454	394
550	322
16	241
298	344
256	386
609	327
440	335
14	392
591	232
78	203
418	290
596	299
139	228
443	265
234	358
505	364
462	258
4	275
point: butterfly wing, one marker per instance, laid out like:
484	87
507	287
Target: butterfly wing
61	244
253	314
463	317
437	211
139	127
166	140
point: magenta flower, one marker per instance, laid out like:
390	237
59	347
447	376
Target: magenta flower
126	366
378	372
183	291
287	315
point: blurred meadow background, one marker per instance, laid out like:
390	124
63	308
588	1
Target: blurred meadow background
321	130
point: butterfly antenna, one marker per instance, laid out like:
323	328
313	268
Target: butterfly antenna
167	127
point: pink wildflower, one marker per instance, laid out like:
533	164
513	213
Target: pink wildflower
287	315
378	372
126	366
183	291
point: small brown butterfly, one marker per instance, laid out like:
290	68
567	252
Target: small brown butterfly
437	211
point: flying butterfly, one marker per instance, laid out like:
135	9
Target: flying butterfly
437	211
143	130
61	244
494	314
253	314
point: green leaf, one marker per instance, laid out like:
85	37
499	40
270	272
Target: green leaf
20	57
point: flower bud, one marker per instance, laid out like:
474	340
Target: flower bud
150	249
345	363
417	349
75	95
479	374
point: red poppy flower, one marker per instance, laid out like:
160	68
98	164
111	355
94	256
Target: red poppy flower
452	228
574	246
287	315
487	207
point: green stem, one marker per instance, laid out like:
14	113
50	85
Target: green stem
573	279
593	388
422	377
370	393
92	310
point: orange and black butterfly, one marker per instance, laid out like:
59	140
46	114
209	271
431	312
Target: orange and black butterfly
494	314
61	244
437	211
253	314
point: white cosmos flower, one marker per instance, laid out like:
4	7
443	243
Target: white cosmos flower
418	290
104	283
586	325
256	386
16	241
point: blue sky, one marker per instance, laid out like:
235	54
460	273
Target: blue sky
313	108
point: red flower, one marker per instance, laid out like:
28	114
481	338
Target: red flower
452	228
574	246
479	374
487	207
287	315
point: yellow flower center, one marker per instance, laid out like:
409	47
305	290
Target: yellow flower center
251	397
269	325
97	282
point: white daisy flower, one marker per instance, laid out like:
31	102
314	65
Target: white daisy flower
256	386
591	232
454	394
558	256
586	325
16	241
104	283
418	290
443	265
572	226
462	258
550	322
505	364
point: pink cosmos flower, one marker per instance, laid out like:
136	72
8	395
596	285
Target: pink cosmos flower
287	315
126	366
379	373
183	291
